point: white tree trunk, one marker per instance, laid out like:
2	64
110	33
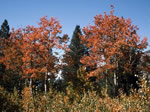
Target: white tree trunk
45	83
30	84
115	79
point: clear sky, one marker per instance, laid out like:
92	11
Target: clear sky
20	13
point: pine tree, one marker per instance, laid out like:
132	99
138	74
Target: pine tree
4	31
72	58
77	49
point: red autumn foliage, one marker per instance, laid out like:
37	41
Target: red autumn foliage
30	49
110	40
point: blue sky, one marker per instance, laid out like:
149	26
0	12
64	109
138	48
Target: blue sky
20	13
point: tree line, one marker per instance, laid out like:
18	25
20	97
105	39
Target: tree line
107	54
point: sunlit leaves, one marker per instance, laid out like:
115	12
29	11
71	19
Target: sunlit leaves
29	49
110	38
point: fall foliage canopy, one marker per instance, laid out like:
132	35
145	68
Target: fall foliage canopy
30	48
110	40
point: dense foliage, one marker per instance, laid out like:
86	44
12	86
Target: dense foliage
103	69
54	101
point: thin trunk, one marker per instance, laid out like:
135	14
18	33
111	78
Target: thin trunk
30	77
26	82
106	82
30	85
115	83
116	80
45	83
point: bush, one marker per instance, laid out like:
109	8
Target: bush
9	102
73	101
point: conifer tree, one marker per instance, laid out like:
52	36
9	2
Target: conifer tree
77	49
4	33
72	58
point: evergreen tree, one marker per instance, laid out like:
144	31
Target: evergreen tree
77	49
4	34
72	58
4	31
